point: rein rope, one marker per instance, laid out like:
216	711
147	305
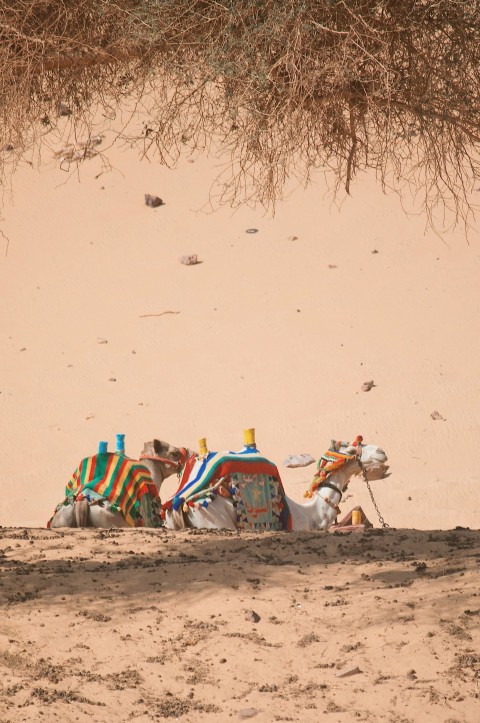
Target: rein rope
168	462
364	475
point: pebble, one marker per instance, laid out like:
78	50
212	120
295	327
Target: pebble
251	230
436	416
112	379
252	616
366	386
153	201
101	341
189	260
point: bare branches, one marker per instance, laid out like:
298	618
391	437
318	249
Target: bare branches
283	87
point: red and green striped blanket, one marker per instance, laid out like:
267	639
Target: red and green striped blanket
116	478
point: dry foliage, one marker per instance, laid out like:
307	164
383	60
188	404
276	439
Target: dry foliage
285	87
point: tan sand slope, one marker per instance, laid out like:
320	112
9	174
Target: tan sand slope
276	329
151	625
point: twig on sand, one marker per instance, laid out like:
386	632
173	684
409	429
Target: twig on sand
143	316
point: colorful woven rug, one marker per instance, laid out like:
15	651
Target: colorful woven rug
248	478
123	482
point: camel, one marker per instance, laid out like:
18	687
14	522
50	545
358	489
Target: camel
160	458
318	513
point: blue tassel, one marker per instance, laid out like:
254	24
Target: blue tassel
177	502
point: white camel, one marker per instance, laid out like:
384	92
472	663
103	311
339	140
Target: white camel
318	513
162	460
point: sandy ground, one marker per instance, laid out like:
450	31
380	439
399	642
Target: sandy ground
275	330
102	330
151	625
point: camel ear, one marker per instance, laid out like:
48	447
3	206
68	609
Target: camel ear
157	446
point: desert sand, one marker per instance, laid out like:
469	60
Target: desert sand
103	330
201	626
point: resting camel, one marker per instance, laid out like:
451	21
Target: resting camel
318	513
161	459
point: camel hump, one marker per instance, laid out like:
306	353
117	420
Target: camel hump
81	513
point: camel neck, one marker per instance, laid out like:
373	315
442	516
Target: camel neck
156	470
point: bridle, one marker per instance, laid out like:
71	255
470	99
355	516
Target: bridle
168	462
325	482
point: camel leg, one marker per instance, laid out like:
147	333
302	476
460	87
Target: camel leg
81	513
102	518
65	517
175	520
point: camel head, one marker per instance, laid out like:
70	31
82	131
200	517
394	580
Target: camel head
169	458
372	460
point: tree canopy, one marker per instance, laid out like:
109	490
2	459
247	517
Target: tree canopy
286	87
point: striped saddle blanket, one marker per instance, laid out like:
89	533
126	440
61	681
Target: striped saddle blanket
250	480
125	483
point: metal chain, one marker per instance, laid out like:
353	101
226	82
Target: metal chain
382	521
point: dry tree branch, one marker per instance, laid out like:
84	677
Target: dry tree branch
284	88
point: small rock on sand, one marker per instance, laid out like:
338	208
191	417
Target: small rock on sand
366	386
189	260
436	416
252	616
153	201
